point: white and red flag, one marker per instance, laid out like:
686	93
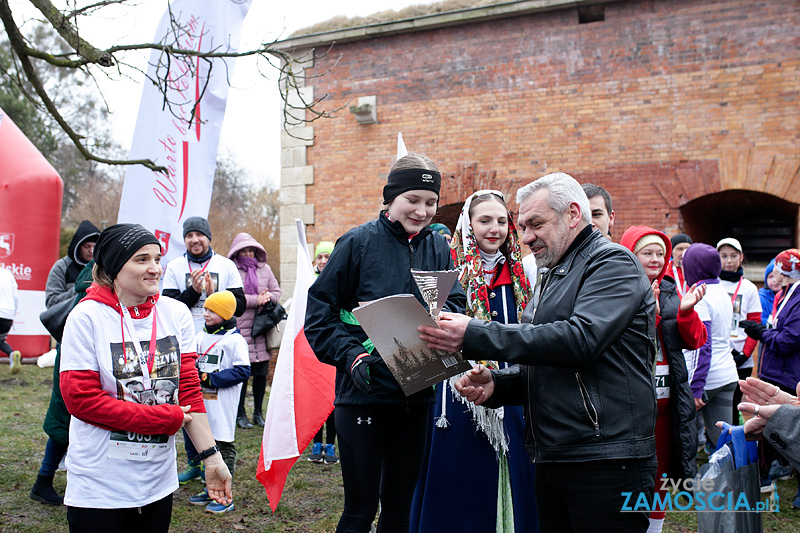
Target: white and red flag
182	136
302	390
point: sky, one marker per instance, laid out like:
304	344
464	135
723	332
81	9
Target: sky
251	130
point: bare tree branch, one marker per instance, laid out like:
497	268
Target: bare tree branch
298	109
70	34
17	43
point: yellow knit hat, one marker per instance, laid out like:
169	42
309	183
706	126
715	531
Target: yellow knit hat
223	303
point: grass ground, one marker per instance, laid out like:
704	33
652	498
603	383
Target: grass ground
312	499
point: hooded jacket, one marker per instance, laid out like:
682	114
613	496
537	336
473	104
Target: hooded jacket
61	279
677	330
584	373
266	280
86	399
715	366
766	295
370	262
780	359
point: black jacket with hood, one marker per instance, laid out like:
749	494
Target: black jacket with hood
61	279
369	262
584	373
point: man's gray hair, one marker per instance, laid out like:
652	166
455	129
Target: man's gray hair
564	190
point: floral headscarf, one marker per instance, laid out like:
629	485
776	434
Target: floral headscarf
467	258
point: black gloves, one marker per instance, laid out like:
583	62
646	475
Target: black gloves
205	380
754	330
738	357
359	372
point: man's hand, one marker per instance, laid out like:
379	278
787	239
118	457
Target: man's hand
476	385
209	284
449	336
692	297
763	393
218	479
197	281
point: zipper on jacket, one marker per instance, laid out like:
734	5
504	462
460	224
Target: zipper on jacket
136	311
587	403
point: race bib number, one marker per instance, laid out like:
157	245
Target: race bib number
137	447
662	381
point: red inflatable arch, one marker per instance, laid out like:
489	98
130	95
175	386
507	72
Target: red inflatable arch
30	226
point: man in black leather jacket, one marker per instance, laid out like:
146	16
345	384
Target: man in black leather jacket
585	352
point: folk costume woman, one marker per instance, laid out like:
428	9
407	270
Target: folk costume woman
382	433
121	344
486	249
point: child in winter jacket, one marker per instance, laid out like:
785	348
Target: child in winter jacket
223	364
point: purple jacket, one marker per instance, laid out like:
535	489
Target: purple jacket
266	280
780	360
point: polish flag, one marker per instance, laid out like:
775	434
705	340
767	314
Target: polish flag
302	390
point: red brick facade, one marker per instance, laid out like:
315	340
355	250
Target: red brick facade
662	103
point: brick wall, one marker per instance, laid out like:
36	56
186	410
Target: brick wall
661	103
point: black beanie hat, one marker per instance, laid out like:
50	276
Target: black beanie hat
198	224
410	179
118	243
680	238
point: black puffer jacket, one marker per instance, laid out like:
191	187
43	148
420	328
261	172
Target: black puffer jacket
585	364
369	262
684	433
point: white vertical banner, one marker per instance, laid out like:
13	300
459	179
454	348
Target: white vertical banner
166	134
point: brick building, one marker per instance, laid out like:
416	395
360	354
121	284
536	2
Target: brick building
687	111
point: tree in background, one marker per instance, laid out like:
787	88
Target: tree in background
37	62
83	108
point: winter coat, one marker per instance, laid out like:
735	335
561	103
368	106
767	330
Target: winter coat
677	330
61	279
266	280
56	421
370	262
766	295
584	372
780	360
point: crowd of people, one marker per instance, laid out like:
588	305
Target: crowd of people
596	367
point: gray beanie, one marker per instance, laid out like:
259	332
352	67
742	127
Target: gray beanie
198	224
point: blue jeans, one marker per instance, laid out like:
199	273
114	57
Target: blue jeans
54	451
191	451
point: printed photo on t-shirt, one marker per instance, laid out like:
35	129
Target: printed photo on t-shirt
164	375
214	281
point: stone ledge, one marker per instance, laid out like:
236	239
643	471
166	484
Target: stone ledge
430	22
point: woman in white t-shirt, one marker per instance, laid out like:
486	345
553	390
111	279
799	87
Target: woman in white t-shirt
713	370
746	305
121	344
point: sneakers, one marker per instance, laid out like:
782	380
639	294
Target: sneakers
15	360
243	422
316	453
44	492
767	485
201	499
219	508
330	455
211	506
190	472
258	420
779	471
